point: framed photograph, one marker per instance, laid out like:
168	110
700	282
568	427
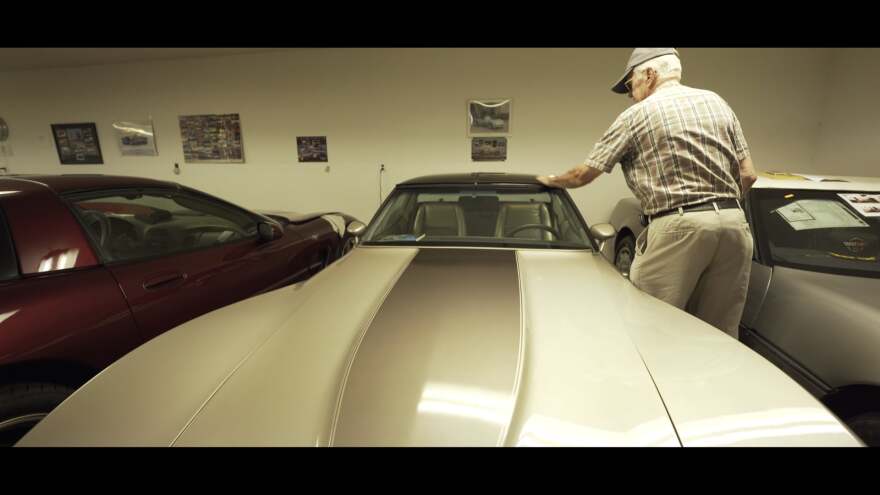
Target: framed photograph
487	117
489	149
77	144
136	138
211	138
311	148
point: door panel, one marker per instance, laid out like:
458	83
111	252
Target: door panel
77	316
177	255
166	292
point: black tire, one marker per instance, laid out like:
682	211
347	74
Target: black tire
867	427
23	405
624	254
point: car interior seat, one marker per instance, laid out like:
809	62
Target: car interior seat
440	219
513	215
480	214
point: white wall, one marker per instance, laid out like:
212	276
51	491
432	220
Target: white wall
850	117
405	108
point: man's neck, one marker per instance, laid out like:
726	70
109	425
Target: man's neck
669	83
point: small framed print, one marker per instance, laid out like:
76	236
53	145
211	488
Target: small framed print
311	148
489	149
488	117
136	138
77	144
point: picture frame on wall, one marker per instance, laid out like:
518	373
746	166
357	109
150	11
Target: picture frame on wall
489	149
77	144
136	138
488	116
213	138
311	148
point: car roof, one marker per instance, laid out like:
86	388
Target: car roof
789	180
67	183
475	178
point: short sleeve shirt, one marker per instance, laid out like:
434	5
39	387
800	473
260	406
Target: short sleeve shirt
678	147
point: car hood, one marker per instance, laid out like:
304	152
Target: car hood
433	346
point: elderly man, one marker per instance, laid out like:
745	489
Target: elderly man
684	156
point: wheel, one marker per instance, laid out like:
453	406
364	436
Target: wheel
867	427
624	254
23	405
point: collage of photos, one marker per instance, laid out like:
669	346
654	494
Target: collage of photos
77	144
211	138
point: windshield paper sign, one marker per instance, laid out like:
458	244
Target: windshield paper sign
818	214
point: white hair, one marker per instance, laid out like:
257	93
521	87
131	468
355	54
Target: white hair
666	66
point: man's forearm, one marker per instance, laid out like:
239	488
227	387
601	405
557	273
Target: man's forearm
747	175
580	175
746	183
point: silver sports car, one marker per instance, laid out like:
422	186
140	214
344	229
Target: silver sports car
813	303
476	310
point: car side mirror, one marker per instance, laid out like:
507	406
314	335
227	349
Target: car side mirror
266	232
356	229
602	232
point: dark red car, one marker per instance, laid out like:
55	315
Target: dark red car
92	266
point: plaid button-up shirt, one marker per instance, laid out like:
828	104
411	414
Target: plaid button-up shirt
678	147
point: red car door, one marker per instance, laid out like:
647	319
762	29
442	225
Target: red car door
177	255
56	303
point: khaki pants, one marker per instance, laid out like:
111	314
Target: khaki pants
699	262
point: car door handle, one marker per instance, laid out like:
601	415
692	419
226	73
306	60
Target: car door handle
164	281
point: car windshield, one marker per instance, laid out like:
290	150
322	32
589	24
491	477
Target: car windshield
490	216
830	231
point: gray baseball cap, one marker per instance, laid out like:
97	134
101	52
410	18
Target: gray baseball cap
638	57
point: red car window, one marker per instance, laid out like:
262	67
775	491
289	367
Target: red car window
151	224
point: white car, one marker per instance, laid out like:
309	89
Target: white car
812	306
477	311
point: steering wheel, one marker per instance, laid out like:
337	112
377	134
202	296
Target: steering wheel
92	216
534	226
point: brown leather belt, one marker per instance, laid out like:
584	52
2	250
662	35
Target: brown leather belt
707	206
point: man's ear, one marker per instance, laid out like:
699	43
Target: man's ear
651	77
